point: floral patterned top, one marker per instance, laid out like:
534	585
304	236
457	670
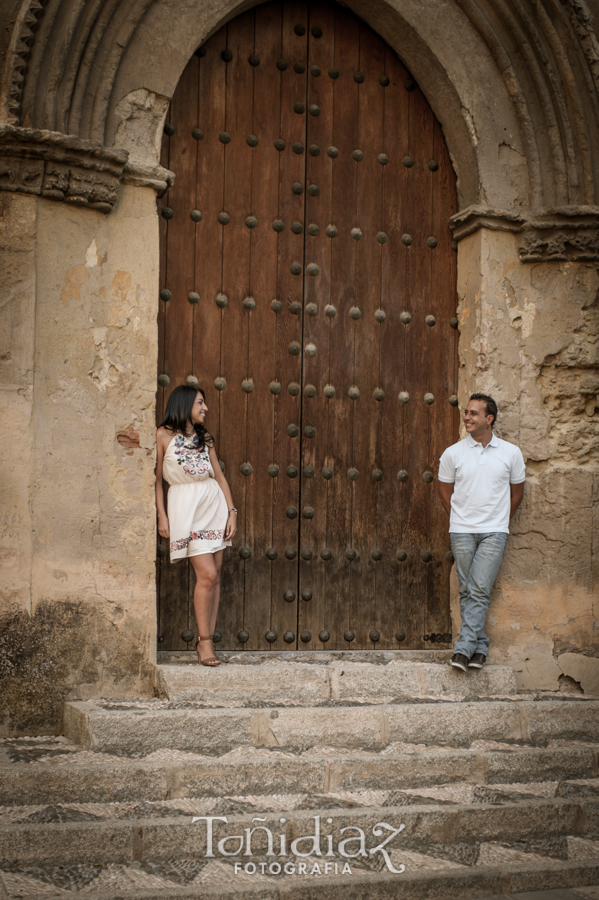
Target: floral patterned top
193	460
185	462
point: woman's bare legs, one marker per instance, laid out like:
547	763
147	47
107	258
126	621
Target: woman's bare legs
218	562
206	596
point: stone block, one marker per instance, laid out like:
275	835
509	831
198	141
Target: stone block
130	730
519	821
571	720
448	683
285	683
32	783
282	684
214	778
127	728
350	727
541	764
579	848
552	875
398	682
455	725
75	843
422	769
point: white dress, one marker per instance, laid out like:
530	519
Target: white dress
197	508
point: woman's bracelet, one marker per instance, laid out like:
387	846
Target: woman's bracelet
232	510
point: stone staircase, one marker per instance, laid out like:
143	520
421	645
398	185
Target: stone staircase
342	768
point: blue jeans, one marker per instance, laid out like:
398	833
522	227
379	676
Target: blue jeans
477	557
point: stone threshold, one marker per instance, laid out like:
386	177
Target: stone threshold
256	657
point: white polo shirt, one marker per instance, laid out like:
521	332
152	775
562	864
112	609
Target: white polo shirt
480	502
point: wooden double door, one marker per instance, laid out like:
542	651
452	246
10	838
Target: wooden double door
308	285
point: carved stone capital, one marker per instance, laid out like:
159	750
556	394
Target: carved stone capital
60	167
64	167
157	177
560	233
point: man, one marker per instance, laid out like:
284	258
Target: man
481	483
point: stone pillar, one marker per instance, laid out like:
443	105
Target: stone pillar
78	352
529	337
18	231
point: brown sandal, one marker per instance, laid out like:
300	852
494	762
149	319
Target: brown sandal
211	661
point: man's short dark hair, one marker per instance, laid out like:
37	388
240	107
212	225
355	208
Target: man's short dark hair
491	405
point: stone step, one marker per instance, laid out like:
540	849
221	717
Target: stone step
322	657
425	878
265	680
51	770
451	820
129	727
490	819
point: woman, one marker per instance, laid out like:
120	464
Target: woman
201	517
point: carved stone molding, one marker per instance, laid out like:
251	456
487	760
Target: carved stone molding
60	167
18	55
157	177
560	233
64	167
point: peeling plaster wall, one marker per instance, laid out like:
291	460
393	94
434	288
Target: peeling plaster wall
530	338
18	231
86	625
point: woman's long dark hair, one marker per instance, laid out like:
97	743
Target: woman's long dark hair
178	414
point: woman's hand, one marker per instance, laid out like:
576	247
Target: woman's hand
163	527
231	526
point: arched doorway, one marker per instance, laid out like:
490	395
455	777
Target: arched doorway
308	284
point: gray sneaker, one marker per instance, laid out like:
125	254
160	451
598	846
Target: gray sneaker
460	661
477	661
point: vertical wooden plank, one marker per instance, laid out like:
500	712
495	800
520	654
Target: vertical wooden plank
236	266
443	352
163	276
207	316
367	335
161	560
417	413
261	320
316	616
181	230
290	249
391	497
178	324
341	607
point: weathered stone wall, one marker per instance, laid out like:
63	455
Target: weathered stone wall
18	230
80	343
530	337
